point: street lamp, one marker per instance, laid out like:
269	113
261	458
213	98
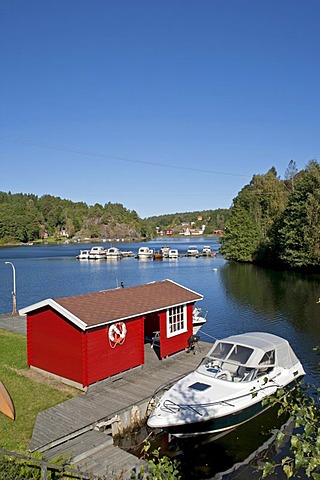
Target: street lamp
14	294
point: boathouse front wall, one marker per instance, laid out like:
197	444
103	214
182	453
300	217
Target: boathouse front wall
171	345
105	358
54	344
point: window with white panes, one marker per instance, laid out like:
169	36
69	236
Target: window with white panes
176	320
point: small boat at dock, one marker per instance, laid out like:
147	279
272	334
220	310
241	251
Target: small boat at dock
197	320
113	253
97	253
193	251
165	251
229	386
173	253
127	253
145	253
83	255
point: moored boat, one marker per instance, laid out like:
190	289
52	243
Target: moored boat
206	250
173	253
97	253
145	253
127	253
165	251
83	255
198	320
228	387
113	253
192	251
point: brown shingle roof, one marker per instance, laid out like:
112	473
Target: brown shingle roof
111	305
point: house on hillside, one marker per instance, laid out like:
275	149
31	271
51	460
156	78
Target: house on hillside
87	338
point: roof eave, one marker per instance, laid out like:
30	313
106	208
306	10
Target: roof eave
56	306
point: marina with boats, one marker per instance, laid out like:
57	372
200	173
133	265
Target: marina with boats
144	253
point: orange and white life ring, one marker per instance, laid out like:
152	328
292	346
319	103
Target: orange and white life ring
117	333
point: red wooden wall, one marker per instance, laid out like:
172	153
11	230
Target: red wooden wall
104	361
174	344
54	344
57	346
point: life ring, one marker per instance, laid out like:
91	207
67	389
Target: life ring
117	333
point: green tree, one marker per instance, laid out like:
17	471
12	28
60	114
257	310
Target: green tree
303	406
299	236
248	234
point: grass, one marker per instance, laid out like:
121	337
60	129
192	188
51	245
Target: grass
29	397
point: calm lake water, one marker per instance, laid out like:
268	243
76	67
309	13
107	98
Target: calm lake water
238	298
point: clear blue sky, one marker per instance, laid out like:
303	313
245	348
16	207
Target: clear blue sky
164	106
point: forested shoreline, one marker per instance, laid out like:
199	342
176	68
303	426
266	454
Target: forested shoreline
271	222
277	222
26	218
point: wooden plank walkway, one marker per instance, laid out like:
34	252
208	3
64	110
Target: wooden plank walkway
109	398
68	428
13	323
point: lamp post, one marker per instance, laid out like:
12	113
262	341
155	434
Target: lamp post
14	294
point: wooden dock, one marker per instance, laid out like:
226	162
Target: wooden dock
71	428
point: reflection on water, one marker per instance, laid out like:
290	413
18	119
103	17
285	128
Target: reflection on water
204	458
274	293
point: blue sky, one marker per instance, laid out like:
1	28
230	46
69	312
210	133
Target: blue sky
164	107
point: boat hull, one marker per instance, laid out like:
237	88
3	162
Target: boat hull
217	425
222	425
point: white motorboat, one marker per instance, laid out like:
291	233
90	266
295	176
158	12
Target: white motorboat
165	251
206	250
97	253
173	253
113	253
83	255
197	320
193	251
127	253
228	387
145	252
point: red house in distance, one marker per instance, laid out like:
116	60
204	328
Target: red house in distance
87	338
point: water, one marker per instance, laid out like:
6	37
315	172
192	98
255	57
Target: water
238	298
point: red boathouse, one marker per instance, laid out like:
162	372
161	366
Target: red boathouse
88	338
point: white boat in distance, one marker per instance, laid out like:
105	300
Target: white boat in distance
192	251
145	252
228	387
206	250
197	320
113	253
83	255
173	253
165	251
127	253
97	253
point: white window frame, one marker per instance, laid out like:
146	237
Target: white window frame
181	326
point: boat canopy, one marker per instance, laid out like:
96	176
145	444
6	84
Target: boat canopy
255	349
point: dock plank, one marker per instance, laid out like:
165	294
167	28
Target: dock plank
65	424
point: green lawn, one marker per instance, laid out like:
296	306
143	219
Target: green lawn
29	397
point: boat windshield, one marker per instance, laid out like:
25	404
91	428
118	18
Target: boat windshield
221	350
233	352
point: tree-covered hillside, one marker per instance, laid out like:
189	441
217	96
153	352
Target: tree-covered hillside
277	221
26	218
